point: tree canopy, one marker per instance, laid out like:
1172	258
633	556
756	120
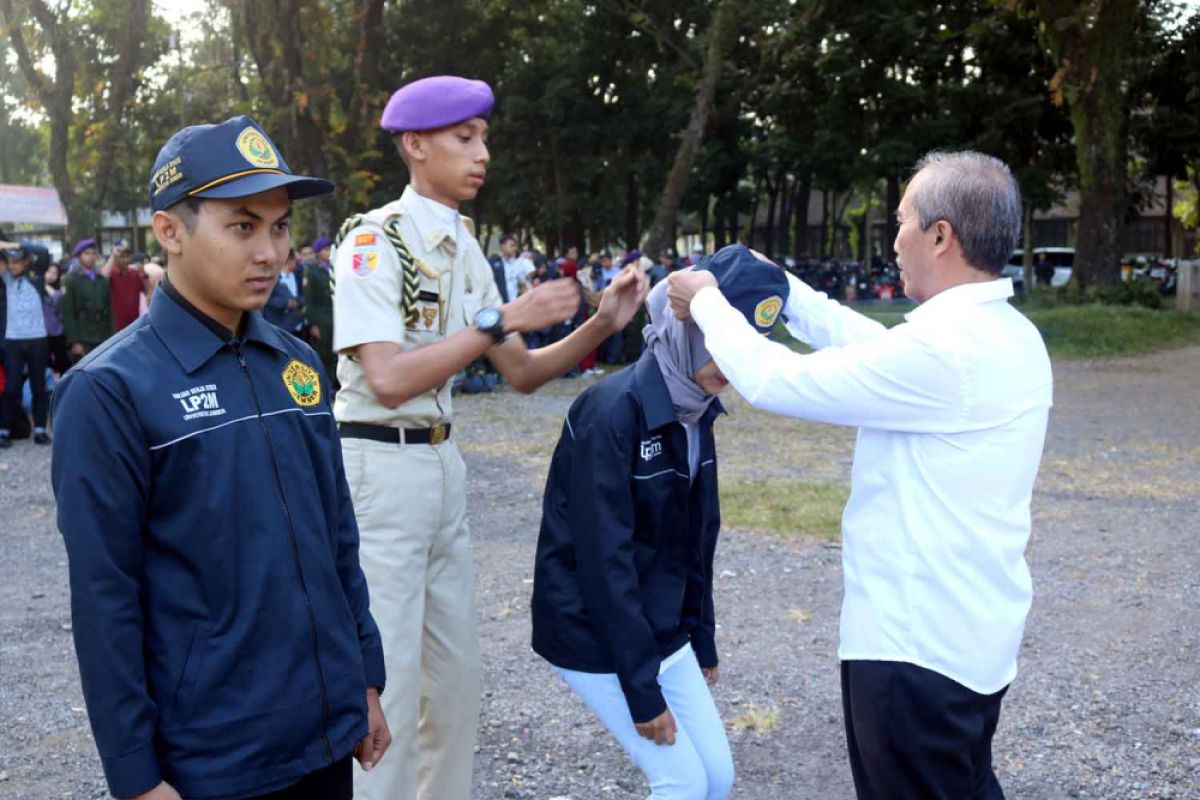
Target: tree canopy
623	122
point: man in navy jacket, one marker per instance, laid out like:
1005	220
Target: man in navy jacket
221	619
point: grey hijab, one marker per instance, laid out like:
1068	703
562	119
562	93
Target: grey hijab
679	349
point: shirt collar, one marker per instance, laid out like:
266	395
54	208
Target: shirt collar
656	400
435	222
193	337
964	294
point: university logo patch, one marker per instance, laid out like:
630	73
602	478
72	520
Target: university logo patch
766	312
303	383
255	148
364	264
651	449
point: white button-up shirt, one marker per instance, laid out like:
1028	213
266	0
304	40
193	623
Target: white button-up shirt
951	408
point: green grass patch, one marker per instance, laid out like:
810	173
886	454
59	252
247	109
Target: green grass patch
784	507
1099	331
1077	331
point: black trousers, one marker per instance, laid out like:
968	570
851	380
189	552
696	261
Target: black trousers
913	734
60	359
20	354
334	782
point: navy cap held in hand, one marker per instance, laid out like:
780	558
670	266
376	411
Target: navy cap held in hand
233	159
758	289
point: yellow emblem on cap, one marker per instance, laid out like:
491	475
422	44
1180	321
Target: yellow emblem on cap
766	311
303	382
255	148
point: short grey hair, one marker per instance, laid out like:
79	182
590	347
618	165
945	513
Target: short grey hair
980	199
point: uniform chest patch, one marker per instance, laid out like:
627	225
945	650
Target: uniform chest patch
303	383
651	448
199	402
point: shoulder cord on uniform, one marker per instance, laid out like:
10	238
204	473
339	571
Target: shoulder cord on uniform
410	281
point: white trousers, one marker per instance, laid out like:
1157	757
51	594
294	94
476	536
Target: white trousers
415	549
699	765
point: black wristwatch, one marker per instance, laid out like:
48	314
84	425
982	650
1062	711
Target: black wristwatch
490	321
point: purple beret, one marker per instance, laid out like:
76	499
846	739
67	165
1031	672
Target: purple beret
432	103
321	244
84	244
630	257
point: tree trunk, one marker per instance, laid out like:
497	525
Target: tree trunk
893	203
800	212
783	242
1091	51
1027	247
772	206
55	97
748	232
824	240
120	91
1168	248
720	39
633	226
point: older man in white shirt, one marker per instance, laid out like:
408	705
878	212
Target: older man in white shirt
951	408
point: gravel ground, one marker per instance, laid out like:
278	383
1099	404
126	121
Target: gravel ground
1106	706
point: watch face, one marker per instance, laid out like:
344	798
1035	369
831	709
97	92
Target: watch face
487	318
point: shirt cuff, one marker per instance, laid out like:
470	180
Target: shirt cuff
705	648
133	773
707	305
373	666
644	703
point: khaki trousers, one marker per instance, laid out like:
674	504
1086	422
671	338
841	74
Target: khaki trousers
410	503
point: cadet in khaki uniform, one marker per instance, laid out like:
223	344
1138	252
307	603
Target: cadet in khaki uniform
416	302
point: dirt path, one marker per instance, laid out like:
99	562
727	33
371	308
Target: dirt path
1106	706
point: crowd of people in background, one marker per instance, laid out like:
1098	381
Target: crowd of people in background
516	271
52	314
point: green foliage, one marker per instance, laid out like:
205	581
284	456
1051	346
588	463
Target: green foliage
592	95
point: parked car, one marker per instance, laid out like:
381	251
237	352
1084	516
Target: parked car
1063	259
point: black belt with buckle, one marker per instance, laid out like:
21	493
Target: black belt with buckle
385	433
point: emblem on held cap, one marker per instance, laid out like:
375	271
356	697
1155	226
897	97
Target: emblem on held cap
302	383
766	311
256	149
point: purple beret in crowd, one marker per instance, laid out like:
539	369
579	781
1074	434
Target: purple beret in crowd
84	244
437	102
630	257
321	244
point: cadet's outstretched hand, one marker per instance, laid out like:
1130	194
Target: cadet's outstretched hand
544	305
375	743
660	730
623	297
683	286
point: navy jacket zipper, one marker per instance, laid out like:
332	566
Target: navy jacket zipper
312	619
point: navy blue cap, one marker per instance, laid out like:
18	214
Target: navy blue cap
233	159
756	288
18	253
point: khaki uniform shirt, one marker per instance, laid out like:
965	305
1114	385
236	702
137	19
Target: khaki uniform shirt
455	283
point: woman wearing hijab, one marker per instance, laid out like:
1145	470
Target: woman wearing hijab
622	591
